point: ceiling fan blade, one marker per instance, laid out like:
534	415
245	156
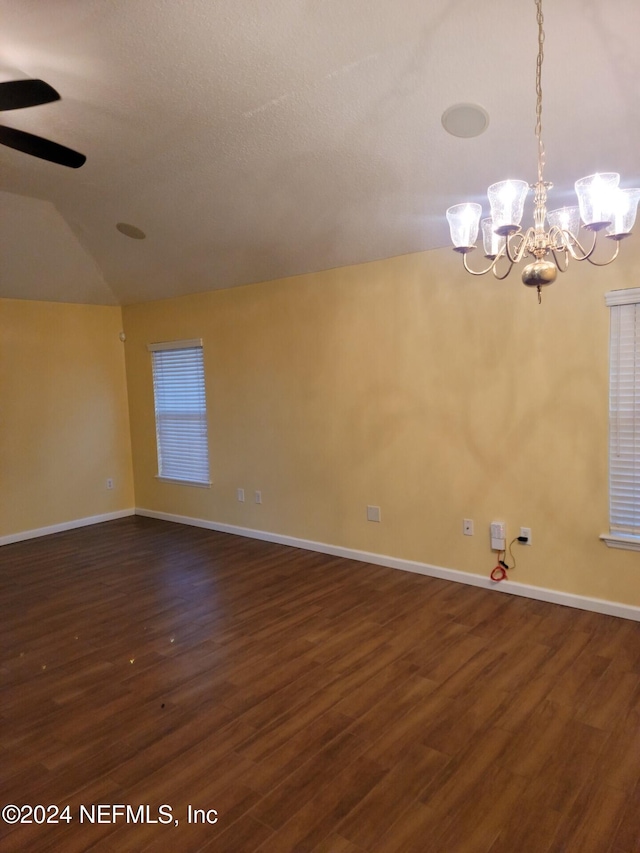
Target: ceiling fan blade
39	147
16	94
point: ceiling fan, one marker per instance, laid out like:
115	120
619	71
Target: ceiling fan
18	94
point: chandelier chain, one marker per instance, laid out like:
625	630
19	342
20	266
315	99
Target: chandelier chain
541	157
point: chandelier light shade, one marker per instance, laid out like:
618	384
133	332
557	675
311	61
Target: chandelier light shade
565	219
624	215
464	220
507	205
493	243
553	239
597	199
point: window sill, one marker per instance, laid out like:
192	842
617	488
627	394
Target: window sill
617	540
183	482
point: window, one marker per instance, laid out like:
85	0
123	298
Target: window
181	412
624	419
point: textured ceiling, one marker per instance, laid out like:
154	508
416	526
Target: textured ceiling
254	139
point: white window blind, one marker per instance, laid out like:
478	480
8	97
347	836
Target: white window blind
181	411
624	413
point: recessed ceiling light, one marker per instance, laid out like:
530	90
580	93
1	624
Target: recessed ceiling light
465	120
130	231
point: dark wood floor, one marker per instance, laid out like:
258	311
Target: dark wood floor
317	704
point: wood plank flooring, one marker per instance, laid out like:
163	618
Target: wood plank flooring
318	705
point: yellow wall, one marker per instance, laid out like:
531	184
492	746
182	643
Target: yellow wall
407	384
63	414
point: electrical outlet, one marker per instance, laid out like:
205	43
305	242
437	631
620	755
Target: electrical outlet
109	483
240	495
467	526
373	513
526	531
258	496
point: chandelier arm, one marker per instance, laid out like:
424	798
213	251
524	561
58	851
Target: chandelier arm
565	255
559	238
503	275
520	248
606	263
573	241
480	272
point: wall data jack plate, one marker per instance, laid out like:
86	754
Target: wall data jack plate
373	513
498	535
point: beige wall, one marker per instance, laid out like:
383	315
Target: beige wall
63	414
407	384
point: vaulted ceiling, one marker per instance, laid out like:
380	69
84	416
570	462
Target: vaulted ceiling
255	139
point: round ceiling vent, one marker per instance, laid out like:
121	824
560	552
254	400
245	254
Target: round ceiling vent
465	120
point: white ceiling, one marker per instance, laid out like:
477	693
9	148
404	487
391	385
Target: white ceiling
254	139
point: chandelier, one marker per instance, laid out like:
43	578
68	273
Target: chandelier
602	206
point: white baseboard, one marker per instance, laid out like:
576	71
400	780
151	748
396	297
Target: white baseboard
65	525
597	605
